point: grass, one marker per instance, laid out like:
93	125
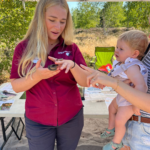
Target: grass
90	41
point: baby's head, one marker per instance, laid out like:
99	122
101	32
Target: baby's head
131	44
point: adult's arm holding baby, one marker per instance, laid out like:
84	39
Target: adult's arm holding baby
134	96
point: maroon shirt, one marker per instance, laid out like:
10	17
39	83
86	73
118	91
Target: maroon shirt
56	100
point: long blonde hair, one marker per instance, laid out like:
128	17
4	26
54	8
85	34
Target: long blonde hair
37	36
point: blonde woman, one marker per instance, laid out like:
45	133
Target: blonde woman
53	109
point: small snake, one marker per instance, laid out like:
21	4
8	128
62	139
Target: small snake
53	67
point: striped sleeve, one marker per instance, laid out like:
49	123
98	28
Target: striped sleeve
146	62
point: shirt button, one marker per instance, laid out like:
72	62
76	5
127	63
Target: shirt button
55	104
54	93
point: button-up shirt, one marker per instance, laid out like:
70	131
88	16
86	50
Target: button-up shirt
56	100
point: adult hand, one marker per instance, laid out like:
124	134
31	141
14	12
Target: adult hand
96	78
63	64
44	73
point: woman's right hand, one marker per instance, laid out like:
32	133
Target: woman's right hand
44	73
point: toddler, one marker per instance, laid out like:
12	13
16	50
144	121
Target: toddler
130	48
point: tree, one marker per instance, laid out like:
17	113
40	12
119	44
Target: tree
86	15
113	14
137	14
14	24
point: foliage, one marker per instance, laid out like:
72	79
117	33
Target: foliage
86	15
14	24
94	14
113	14
137	14
87	59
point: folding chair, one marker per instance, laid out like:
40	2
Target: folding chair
103	56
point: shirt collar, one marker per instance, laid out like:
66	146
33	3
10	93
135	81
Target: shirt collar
129	59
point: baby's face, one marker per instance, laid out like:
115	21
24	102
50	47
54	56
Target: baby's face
123	51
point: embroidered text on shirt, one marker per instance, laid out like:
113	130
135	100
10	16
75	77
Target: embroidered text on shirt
64	52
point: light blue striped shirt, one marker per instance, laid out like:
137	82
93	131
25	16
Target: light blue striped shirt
146	62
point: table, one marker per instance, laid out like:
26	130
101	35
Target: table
17	110
95	109
91	110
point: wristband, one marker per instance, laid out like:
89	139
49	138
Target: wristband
73	65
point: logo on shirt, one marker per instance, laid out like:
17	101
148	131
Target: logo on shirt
68	53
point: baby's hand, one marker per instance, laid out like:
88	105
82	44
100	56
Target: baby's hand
136	111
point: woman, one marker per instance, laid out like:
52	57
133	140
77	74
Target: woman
137	136
53	109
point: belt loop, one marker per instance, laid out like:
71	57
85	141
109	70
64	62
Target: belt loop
139	119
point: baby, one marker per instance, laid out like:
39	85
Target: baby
130	48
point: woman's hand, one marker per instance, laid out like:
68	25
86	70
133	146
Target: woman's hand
44	73
63	64
96	78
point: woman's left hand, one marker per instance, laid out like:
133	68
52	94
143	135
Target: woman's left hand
63	64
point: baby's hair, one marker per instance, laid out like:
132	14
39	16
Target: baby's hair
137	40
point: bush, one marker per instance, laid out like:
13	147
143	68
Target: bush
87	58
14	24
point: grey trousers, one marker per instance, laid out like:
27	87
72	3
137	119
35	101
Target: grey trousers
42	137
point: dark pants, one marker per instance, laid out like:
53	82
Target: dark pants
42	137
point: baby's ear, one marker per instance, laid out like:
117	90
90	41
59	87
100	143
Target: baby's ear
135	54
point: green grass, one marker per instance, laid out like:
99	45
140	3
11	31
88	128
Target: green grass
23	96
87	59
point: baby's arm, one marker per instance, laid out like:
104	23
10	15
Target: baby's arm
137	79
